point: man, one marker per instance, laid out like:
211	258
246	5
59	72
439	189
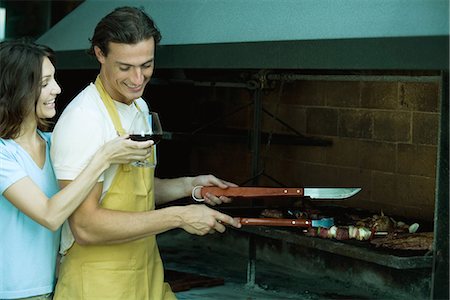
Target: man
115	255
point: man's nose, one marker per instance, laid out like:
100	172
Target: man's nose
137	76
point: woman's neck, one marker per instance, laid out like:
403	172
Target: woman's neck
30	140
28	132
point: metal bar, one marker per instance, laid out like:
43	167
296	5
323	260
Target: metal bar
255	149
211	83
440	275
242	136
283	123
403	78
256	133
313	140
221	118
344	249
187	82
293	77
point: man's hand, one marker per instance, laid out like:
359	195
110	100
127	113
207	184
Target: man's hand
200	220
210	180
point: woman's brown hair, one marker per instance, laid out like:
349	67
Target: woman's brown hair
20	84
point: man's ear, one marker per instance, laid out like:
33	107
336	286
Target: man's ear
99	54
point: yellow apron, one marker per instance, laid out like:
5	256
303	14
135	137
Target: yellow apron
125	271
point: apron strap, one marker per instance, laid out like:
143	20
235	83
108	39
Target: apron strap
112	111
110	107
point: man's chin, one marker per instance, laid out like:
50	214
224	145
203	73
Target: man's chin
129	96
136	96
135	92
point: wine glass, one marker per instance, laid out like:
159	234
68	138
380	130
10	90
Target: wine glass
146	126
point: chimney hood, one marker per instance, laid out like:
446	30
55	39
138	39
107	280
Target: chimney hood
275	34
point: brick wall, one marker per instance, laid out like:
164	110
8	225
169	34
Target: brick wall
384	138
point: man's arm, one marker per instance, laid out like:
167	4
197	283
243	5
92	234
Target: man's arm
167	190
92	224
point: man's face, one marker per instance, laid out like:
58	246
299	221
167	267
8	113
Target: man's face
127	69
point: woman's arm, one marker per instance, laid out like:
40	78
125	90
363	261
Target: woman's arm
52	212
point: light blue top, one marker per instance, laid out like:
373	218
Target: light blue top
27	249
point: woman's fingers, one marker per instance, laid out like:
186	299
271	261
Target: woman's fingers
123	150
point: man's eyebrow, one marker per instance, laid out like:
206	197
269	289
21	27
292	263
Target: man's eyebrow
130	65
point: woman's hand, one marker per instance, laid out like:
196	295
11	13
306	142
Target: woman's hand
123	150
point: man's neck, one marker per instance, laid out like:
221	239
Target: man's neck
110	91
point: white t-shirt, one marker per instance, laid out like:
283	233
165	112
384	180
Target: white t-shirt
83	127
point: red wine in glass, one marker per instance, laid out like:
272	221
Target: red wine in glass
146	126
145	137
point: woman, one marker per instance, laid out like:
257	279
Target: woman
32	208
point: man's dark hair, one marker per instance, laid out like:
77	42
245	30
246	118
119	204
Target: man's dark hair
125	25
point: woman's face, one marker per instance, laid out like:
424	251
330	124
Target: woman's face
45	107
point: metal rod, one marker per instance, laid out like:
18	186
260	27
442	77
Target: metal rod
160	81
404	78
282	122
255	149
238	109
256	134
345	248
292	77
222	84
440	274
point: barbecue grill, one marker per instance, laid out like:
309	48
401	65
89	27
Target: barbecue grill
262	48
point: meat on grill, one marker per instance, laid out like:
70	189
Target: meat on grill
406	241
340	233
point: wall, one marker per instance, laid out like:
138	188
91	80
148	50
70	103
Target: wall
383	133
384	136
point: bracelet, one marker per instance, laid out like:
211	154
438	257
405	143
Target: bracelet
193	194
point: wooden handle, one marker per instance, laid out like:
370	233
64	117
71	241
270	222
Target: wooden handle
251	191
275	222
